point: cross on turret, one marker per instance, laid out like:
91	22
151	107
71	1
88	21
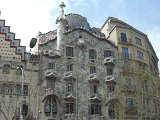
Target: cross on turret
62	5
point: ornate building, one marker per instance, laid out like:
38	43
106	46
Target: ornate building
77	64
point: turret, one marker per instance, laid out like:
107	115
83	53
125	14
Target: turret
61	26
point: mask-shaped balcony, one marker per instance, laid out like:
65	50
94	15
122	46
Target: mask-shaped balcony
50	74
96	117
109	61
71	116
69	76
93	78
131	110
46	52
110	79
70	96
55	53
95	97
50	91
111	97
129	88
52	53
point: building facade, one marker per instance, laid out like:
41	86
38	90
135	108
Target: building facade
80	73
138	71
15	72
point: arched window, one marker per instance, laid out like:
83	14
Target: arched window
6	68
92	54
50	107
24	110
111	110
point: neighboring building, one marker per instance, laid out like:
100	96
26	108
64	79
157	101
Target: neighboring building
138	85
14	68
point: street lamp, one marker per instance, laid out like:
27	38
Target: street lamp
22	90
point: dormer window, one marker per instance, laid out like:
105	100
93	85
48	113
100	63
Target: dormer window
6	69
69	51
92	54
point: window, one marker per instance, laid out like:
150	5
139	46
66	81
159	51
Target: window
92	54
50	106
94	88
140	55
50	84
69	51
123	37
19	71
69	87
94	109
130	103
145	85
108	53
138	41
92	69
69	108
125	52
25	90
111	110
51	65
110	89
70	67
109	71
24	110
6	68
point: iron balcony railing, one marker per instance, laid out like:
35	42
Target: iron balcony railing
125	41
126	55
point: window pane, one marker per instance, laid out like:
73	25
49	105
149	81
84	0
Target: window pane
108	53
6	69
92	54
123	37
51	65
70	67
92	69
69	51
138	41
109	71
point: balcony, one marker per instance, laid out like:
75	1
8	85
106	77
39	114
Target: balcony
52	53
94	79
95	117
109	61
132	110
125	41
70	116
70	96
111	97
95	97
69	76
50	74
129	88
126	55
110	80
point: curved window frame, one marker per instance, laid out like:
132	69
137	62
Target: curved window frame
50	107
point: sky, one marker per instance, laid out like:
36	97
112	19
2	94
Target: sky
28	17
